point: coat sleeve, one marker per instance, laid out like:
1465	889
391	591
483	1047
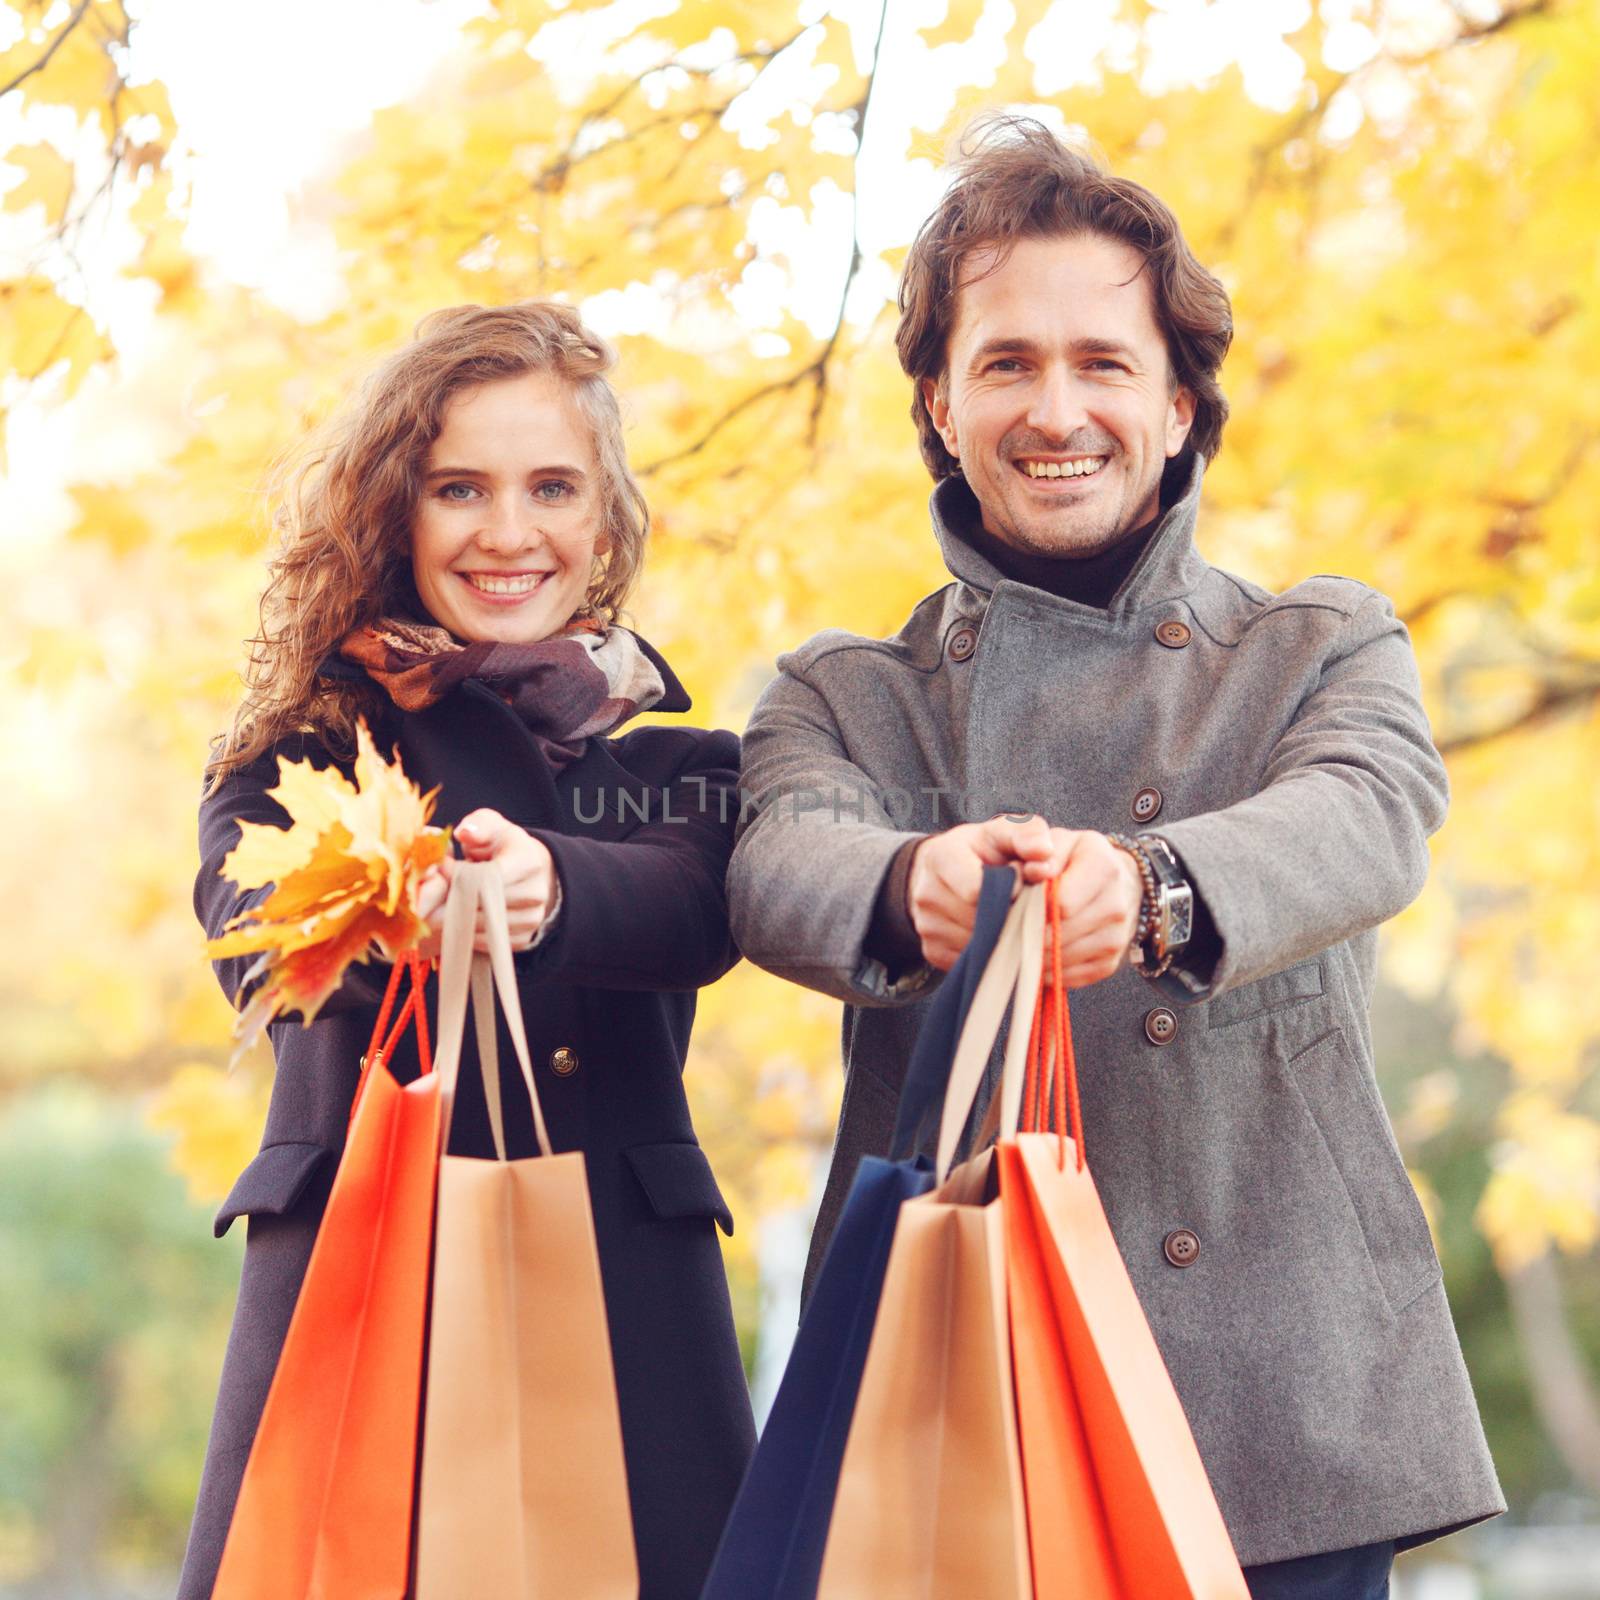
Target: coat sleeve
242	797
649	911
816	841
1335	840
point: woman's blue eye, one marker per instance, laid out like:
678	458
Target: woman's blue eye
553	489
448	492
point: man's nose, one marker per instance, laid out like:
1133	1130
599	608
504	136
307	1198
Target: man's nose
1057	407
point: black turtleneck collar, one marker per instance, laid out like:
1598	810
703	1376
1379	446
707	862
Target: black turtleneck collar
1088	580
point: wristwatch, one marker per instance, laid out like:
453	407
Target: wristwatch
1171	923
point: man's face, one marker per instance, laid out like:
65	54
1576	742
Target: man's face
1058	402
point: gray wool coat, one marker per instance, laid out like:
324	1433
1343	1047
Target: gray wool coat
1286	745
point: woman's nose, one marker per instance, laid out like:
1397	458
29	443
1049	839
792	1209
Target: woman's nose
508	528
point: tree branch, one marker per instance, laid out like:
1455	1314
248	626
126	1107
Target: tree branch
1551	703
49	51
814	371
861	109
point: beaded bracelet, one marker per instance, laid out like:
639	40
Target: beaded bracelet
1149	906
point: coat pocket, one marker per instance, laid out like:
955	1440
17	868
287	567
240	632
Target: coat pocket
1272	993
272	1183
678	1182
1346	1111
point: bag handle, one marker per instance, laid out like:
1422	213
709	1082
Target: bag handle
1052	1068
928	1073
415	1010
475	886
455	967
501	964
1011	981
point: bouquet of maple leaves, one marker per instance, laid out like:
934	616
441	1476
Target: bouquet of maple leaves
344	877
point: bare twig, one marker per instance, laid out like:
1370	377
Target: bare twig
49	50
815	371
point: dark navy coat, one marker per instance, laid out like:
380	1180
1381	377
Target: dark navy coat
640	830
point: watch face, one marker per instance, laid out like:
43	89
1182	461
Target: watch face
1182	917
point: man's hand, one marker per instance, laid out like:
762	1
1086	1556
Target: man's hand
947	873
525	864
1099	894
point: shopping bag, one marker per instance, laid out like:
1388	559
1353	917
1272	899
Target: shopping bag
777	1531
1119	1505
930	1501
523	1485
324	1509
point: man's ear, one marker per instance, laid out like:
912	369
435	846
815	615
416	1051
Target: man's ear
936	397
1180	419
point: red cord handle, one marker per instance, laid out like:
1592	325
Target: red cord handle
381	1046
1052	1065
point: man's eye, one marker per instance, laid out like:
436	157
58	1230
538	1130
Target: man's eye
1106	361
1005	364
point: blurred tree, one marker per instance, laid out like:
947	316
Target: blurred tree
96	155
113	1286
1405	223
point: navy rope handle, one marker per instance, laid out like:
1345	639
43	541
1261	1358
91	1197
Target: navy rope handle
922	1095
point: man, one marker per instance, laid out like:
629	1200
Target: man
1088	676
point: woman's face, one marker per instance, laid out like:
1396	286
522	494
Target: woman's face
505	535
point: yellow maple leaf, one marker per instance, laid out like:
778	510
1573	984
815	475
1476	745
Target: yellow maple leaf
343	877
47	180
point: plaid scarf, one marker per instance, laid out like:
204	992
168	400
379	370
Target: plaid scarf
583	682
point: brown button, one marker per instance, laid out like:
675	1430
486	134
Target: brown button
563	1062
1161	1026
1146	805
1174	635
962	643
1181	1247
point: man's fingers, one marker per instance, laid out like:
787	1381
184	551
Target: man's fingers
1013	837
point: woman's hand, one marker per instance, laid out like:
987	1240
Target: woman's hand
525	865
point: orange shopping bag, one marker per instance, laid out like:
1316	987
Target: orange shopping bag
324	1511
1119	1505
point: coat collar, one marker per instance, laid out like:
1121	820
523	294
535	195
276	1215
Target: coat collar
1170	565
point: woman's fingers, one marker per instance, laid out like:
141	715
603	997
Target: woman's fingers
482	833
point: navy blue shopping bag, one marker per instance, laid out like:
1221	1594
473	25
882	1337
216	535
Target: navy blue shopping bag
773	1545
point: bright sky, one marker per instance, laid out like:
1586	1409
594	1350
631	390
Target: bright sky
232	68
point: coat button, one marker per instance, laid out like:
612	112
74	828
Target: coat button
1161	1026
1146	805
1174	635
962	643
1181	1247
563	1062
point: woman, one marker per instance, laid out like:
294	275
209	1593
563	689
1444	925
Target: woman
454	557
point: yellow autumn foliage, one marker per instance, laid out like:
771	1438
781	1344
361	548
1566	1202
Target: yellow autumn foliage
343	878
1409	245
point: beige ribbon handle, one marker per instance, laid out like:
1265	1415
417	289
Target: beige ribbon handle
488	1049
493	901
455	969
1011	975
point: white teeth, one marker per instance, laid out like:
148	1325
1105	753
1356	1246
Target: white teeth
524	583
1064	469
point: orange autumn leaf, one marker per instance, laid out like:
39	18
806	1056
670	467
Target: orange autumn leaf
343	877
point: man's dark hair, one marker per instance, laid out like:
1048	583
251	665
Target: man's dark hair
1014	179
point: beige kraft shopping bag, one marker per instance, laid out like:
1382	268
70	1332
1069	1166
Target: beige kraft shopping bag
930	1504
523	1490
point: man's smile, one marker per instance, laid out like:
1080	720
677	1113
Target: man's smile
1041	469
